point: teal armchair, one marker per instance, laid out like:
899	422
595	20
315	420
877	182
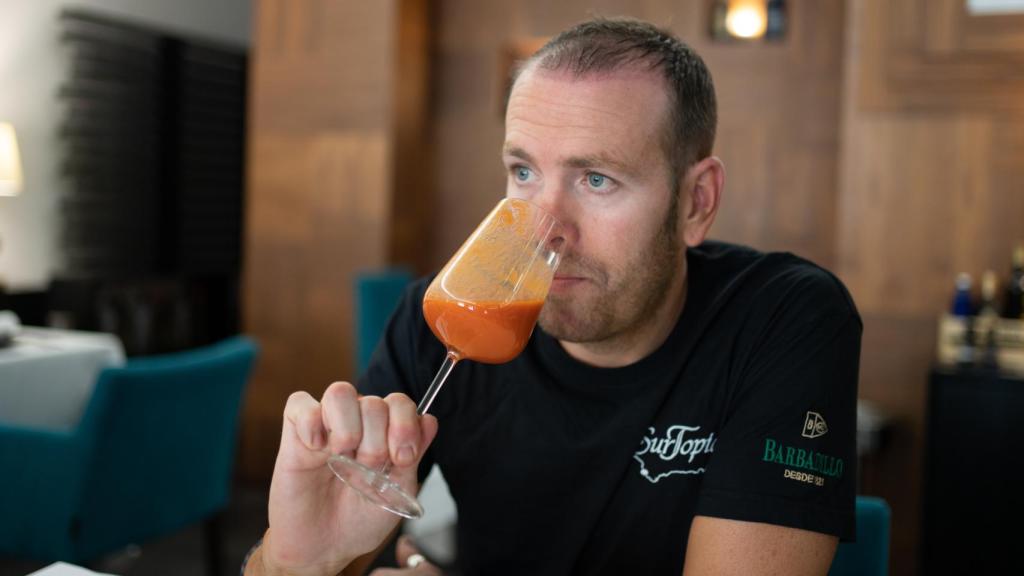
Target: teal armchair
869	555
377	296
153	453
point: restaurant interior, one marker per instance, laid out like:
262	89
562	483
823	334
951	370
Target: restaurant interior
207	206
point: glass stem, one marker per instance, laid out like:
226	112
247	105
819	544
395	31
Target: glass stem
442	374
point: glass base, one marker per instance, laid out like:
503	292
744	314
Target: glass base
374	487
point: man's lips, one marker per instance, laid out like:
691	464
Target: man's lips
563	282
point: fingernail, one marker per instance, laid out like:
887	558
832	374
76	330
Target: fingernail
406	455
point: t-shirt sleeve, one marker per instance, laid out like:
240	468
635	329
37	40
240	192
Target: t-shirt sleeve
785	452
399	362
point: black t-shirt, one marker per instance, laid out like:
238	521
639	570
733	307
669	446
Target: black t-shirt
747	412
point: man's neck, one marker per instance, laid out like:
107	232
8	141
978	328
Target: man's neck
644	338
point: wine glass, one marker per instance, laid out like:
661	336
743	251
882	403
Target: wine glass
483	305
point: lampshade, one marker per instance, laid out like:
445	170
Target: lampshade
10	162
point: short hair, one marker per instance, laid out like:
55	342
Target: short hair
610	44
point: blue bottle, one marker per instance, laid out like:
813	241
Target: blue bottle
962	305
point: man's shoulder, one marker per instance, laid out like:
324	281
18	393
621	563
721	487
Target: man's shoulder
772	276
724	256
412	298
418	287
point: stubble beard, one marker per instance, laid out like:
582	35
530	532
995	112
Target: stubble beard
634	294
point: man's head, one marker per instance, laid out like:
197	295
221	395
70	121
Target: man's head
607	46
610	127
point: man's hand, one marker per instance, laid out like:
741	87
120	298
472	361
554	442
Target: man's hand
317	524
404	551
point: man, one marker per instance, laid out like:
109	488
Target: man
684	407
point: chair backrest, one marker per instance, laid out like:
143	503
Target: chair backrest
377	295
164	432
869	555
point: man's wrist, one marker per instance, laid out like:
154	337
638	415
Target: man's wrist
260	562
257	563
266	569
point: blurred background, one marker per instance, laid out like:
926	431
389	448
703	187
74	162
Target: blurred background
191	170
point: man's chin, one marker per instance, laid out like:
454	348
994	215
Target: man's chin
563	324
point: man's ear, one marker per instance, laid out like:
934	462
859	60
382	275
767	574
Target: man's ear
701	194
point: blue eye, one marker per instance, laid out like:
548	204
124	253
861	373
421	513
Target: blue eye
522	173
596	180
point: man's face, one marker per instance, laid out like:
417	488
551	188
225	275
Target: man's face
590	151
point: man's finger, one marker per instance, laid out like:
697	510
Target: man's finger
302	415
409	557
428	423
403	430
373	446
342	417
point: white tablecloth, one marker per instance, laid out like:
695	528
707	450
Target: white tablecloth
63	569
47	376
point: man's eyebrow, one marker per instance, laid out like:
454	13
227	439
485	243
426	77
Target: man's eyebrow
588	161
517	153
599	161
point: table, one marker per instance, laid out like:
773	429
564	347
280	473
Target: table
47	375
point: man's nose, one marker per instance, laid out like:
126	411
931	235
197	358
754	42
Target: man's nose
559	202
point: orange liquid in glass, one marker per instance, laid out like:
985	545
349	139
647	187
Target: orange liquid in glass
488	332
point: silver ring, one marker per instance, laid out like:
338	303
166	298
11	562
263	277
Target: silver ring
415	560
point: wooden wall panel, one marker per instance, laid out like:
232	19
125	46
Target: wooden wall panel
931	165
412	205
328	81
322	65
932	55
911	202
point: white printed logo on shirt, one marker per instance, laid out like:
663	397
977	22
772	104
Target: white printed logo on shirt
681	450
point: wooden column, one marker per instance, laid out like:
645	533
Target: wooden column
336	111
